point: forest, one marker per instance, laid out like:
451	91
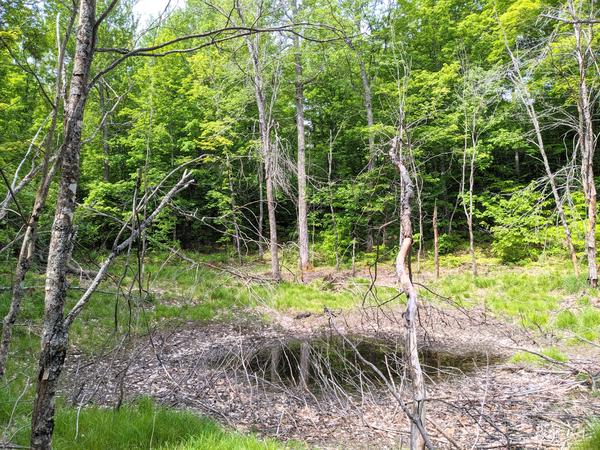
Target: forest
268	224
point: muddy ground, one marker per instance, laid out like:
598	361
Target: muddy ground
477	398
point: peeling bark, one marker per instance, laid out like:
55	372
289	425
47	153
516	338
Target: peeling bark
54	332
403	272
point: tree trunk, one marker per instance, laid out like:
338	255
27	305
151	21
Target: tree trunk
104	125
29	240
331	209
54	332
267	155
301	164
586	141
417	439
368	101
436	242
528	102
261	210
236	227
468	207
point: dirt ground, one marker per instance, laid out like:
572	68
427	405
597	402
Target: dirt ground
208	368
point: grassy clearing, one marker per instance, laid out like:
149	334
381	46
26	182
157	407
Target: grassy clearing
177	293
145	425
544	295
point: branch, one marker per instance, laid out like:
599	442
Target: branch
183	183
231	32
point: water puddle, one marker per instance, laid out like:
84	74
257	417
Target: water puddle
353	362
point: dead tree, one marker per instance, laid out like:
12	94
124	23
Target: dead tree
27	250
436	242
584	54
403	272
267	149
301	163
527	100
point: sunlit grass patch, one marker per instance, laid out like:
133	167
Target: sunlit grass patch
145	425
531	358
591	441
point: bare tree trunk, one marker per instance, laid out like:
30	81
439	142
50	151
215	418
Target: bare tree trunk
272	221
587	139
54	333
364	77
261	210
29	240
267	155
304	364
528	102
368	101
331	209
104	125
417	440
470	214
301	164
436	242
468	207
236	227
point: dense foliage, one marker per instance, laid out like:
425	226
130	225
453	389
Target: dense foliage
441	68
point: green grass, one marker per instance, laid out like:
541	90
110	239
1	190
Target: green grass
530	358
144	425
531	295
591	441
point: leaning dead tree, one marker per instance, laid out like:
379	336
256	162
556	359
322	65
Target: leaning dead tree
418	435
524	94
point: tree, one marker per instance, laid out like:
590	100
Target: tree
301	162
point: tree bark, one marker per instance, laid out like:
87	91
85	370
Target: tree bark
468	207
368	101
417	439
261	210
54	332
436	242
586	140
267	155
29	240
104	125
528	102
301	163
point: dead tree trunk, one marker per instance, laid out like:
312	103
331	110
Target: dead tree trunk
368	102
29	240
267	155
587	139
468	207
527	100
104	126
54	332
417	439
436	242
301	164
261	210
237	238
331	209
